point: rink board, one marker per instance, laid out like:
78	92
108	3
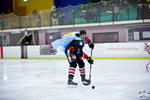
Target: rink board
104	50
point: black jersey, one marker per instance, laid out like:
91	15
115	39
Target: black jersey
78	47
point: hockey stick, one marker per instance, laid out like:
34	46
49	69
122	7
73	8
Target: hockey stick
90	67
89	71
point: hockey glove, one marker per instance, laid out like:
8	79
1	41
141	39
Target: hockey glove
90	60
90	43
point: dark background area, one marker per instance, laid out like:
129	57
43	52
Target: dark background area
6	6
64	3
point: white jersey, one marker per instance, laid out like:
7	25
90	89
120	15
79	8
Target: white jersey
61	44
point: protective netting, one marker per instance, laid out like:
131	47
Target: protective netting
104	11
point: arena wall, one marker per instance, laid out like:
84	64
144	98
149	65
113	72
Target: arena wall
121	29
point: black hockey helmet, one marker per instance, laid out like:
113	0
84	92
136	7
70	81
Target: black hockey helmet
82	32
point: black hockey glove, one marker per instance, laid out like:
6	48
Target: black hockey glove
91	45
90	60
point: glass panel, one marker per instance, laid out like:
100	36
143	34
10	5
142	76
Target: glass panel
90	12
66	15
1	22
147	10
56	16
106	11
123	11
44	19
15	22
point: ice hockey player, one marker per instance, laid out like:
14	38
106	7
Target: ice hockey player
73	45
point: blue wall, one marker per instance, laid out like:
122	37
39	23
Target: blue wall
64	3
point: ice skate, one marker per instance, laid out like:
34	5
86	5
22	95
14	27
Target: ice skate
85	81
70	82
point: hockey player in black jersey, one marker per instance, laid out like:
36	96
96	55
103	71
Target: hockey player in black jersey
74	53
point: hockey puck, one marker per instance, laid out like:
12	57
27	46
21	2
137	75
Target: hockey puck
93	87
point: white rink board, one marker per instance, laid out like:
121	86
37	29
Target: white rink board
12	52
34	52
118	50
103	50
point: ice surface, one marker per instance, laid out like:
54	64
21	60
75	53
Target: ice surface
46	80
